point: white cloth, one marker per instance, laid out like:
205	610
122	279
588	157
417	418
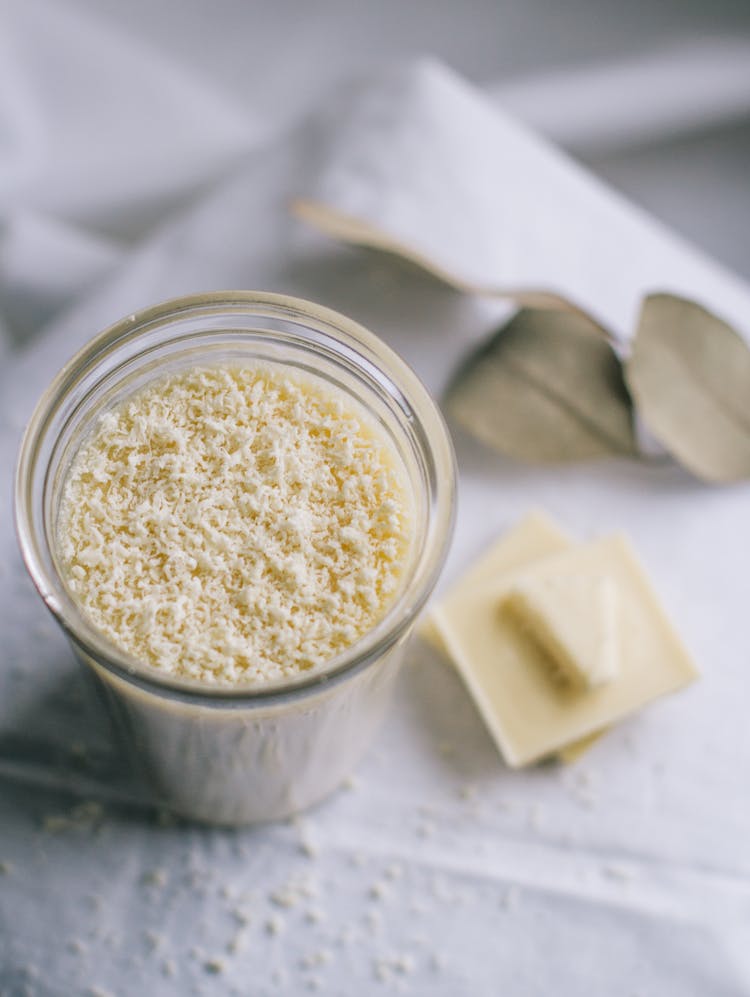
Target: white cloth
440	871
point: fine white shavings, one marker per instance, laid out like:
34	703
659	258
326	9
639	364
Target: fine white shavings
234	525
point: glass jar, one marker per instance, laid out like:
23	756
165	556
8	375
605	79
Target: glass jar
239	755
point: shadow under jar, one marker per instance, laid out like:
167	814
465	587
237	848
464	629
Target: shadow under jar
233	754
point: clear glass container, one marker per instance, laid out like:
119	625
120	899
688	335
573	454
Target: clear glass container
241	754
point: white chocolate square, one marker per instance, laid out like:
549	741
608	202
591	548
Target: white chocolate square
529	716
534	538
573	617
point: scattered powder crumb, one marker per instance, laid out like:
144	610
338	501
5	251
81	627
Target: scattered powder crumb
274	925
308	849
315	959
314	916
404	964
154	940
284	898
76	946
154	877
393	872
169	968
351	783
226	892
313	983
378	891
385	968
238	943
214	966
293	892
241	916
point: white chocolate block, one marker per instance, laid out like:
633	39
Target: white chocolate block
573	617
529	716
534	538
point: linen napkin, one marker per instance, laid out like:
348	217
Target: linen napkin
101	137
426	167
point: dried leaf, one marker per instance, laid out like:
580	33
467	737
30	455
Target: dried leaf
689	373
547	388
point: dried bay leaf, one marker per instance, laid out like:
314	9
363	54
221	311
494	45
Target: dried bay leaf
547	388
689	373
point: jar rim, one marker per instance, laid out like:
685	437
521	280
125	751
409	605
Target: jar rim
436	446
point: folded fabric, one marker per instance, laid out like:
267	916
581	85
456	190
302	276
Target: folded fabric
424	165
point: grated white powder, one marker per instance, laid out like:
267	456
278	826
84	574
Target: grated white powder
234	525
